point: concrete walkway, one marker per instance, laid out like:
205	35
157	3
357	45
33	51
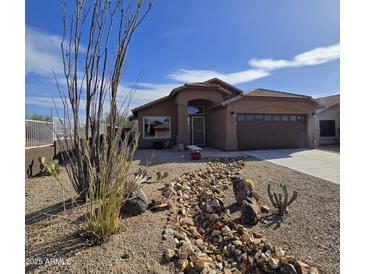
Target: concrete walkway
315	162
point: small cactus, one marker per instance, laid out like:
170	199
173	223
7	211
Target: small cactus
250	184
277	200
160	176
48	168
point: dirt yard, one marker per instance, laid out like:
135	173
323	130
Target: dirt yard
310	231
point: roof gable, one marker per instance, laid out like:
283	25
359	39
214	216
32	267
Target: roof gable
233	90
328	101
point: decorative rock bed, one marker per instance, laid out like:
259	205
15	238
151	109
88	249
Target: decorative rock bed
206	238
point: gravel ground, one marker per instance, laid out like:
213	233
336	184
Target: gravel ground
138	248
311	230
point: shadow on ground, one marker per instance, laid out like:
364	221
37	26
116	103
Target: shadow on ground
272	220
61	248
48	212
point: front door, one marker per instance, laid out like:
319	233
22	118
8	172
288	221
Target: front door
198	130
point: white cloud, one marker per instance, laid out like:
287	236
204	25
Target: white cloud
43	53
184	75
312	57
49	102
261	67
146	92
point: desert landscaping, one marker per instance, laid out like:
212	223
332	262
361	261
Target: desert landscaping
142	157
193	224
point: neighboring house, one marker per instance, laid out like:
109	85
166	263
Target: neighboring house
216	114
327	120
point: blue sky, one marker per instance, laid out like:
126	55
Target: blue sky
282	45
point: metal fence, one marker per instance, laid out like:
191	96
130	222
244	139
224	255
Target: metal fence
38	133
41	133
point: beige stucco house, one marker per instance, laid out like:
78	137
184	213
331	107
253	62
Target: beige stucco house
216	114
327	121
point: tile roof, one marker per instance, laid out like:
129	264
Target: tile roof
273	93
328	101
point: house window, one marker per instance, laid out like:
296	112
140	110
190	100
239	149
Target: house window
156	127
284	118
195	110
300	117
327	128
250	117
259	117
267	117
276	117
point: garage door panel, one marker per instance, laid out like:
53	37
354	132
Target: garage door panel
271	134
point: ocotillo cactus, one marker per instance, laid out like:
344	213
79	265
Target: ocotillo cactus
278	201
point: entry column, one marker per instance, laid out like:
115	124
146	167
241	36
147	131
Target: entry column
182	124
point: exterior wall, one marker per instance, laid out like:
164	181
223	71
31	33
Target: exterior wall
221	125
216	128
332	113
269	106
176	108
182	101
31	158
55	151
166	108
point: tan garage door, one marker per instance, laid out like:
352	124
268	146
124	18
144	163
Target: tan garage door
267	131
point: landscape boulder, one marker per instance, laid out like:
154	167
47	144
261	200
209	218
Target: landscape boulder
136	204
240	189
250	212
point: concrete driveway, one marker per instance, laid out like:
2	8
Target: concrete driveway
318	163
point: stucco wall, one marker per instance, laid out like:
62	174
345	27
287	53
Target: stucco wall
269	106
216	128
31	158
176	108
182	100
332	113
166	108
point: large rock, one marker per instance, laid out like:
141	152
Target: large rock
137	203
288	269
240	189
250	213
301	267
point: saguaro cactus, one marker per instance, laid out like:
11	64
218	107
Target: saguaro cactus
277	200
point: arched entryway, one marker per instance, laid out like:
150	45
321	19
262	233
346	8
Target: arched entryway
198	112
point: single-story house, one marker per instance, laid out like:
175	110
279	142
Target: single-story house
327	120
216	114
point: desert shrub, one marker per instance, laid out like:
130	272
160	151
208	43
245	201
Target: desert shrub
105	200
38	117
278	201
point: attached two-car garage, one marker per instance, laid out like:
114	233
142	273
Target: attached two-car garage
270	131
